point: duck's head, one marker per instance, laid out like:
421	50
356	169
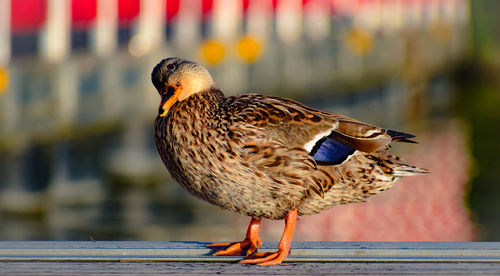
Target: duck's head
176	79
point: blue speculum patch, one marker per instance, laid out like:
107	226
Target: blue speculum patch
331	152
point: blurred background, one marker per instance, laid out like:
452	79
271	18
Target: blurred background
77	153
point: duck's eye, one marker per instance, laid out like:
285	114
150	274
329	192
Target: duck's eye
171	66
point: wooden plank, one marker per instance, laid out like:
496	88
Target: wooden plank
224	268
110	251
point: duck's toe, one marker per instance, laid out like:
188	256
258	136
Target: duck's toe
245	248
268	258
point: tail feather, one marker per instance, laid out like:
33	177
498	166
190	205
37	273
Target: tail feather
401	136
407	170
402	168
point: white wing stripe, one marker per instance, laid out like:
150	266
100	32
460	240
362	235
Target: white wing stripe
309	145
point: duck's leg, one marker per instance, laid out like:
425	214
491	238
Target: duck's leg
248	246
283	248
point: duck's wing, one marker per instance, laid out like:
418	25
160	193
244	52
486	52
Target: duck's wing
329	138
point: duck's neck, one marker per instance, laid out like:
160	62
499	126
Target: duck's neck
206	102
212	97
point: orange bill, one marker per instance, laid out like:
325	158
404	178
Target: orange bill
168	98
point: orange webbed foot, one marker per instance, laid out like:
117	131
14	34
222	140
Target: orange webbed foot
246	247
273	258
265	259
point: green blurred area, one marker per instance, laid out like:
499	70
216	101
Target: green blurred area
485	25
479	104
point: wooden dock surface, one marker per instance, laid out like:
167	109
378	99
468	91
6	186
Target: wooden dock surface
321	258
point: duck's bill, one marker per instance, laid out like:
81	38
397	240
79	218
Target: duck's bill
169	97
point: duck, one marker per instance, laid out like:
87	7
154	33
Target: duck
266	156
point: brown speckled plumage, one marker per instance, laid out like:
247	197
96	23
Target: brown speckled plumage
264	156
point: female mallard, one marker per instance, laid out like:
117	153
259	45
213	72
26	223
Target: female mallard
266	157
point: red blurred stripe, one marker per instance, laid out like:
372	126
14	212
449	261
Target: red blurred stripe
245	5
172	8
128	10
83	13
28	15
206	8
274	4
327	4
